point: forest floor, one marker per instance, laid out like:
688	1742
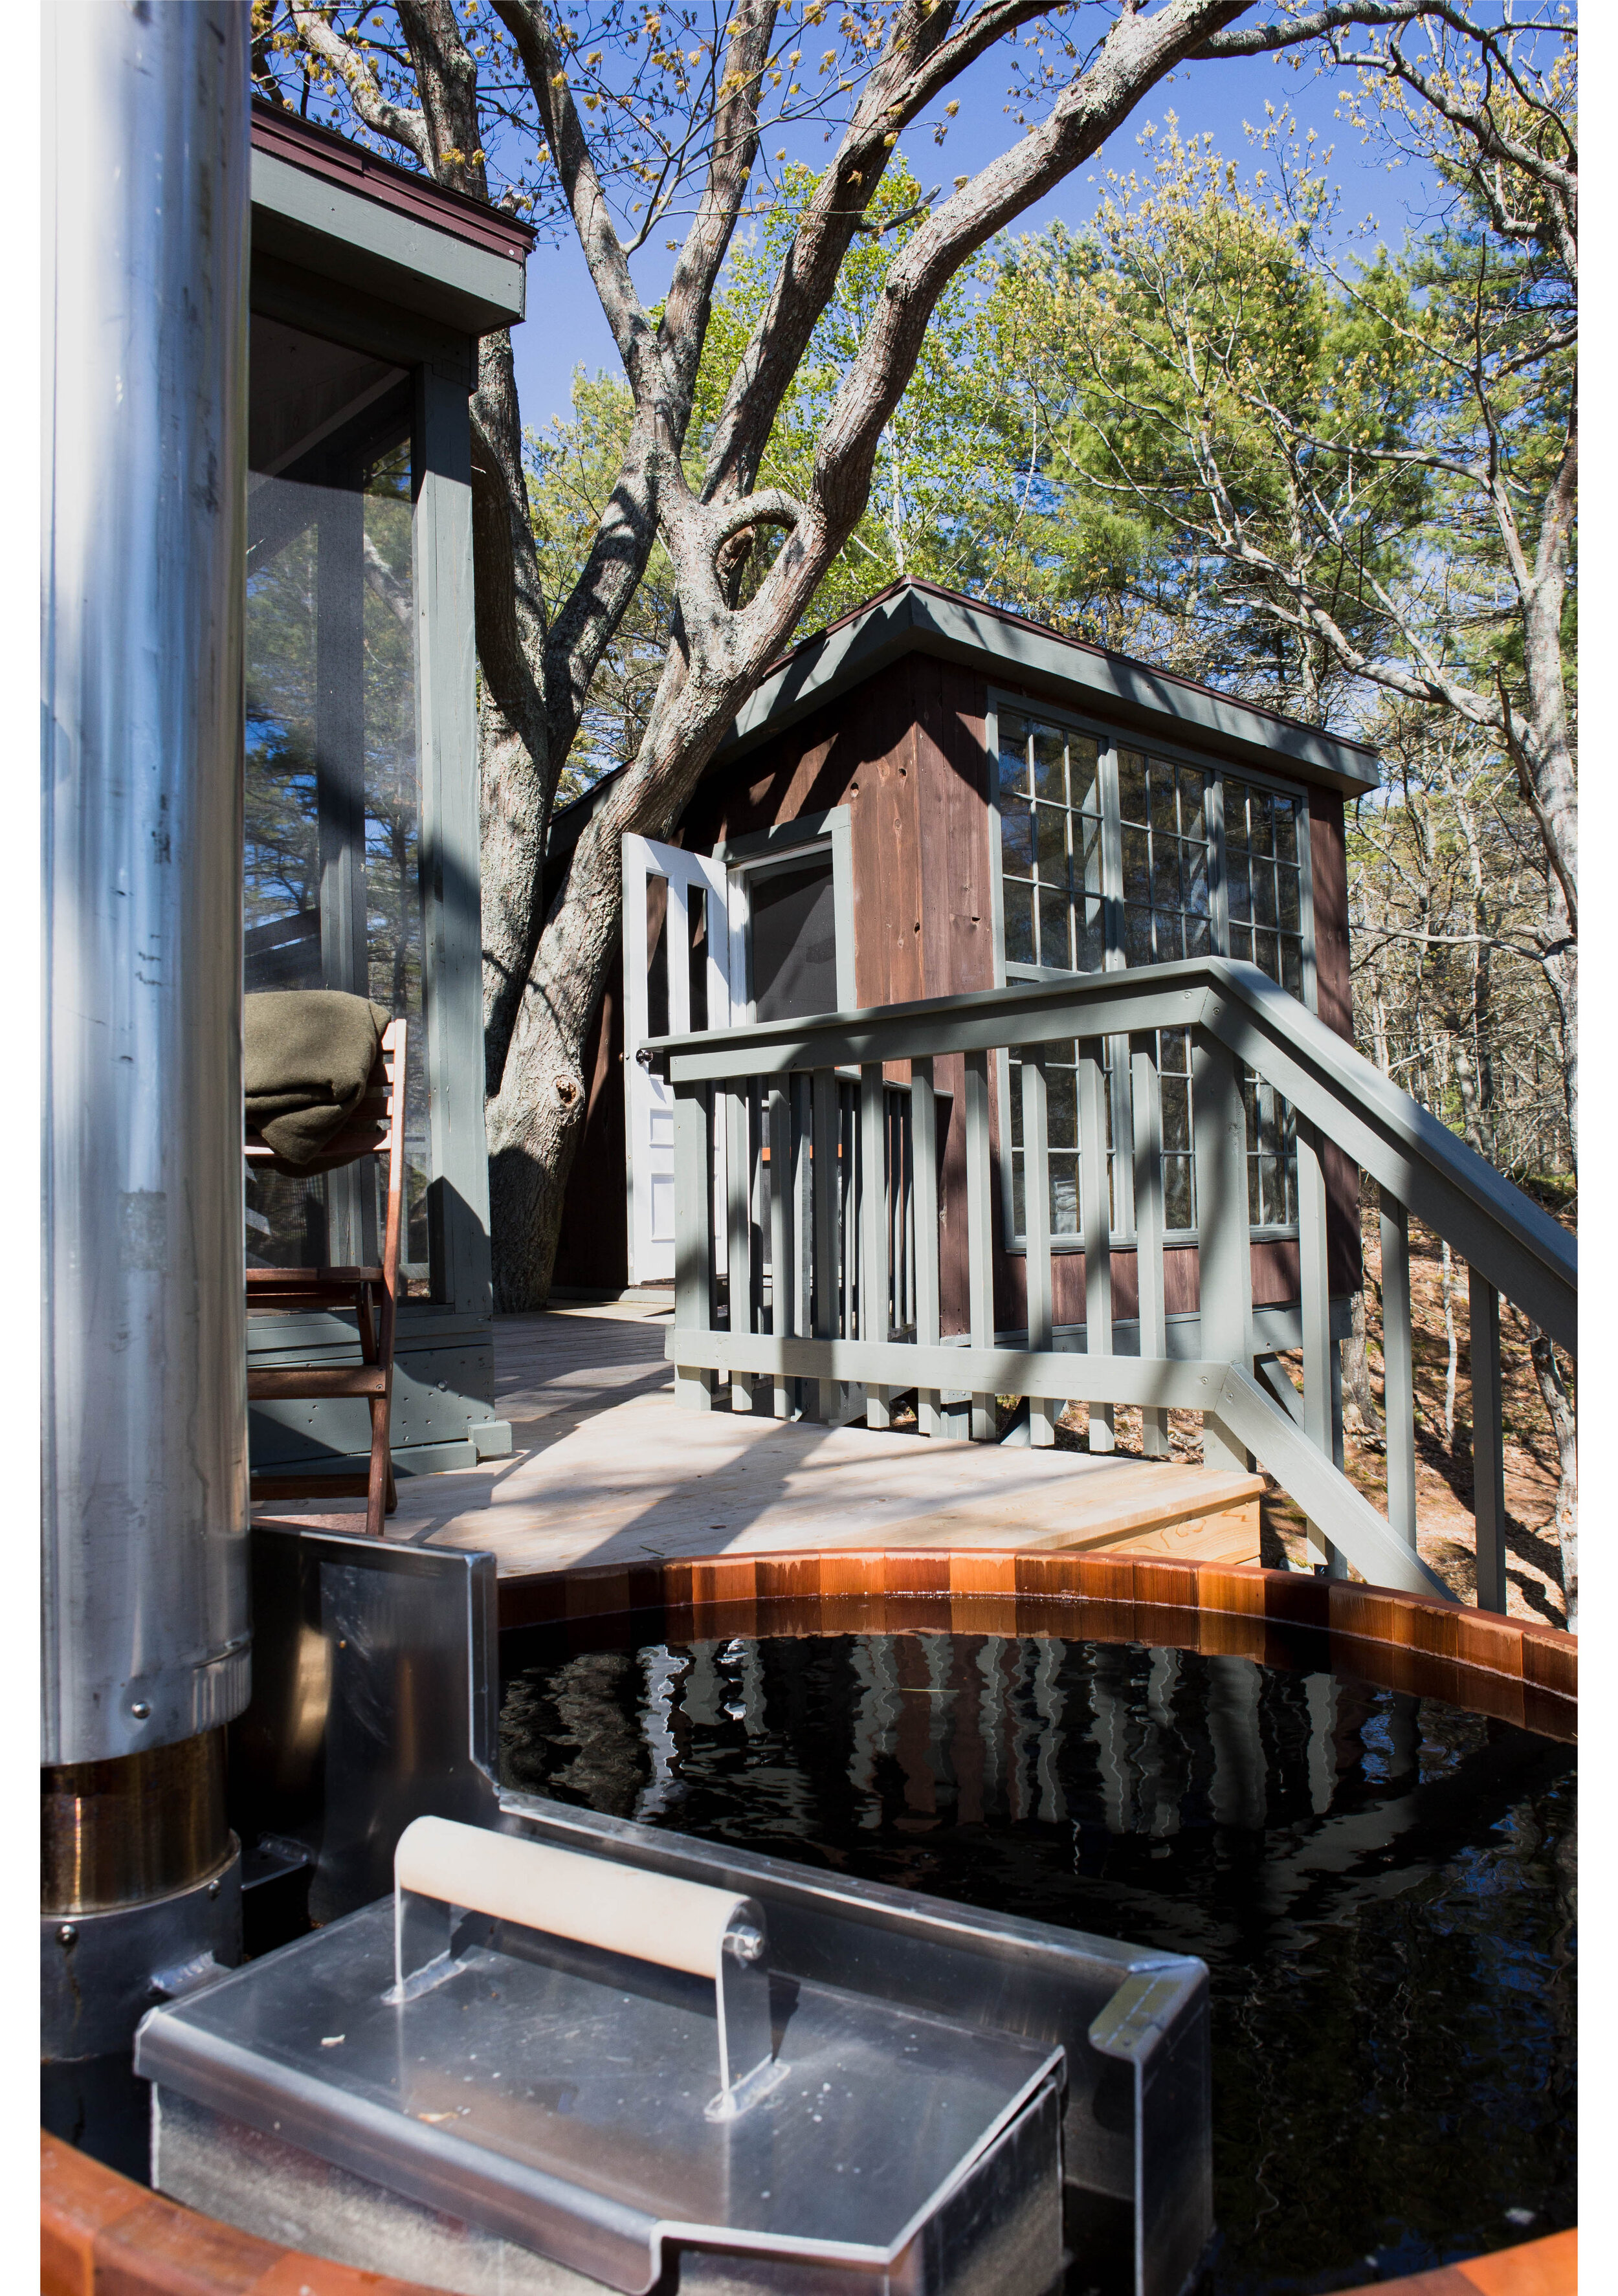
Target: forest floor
1443	1460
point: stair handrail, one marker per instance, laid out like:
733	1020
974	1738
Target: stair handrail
1498	1228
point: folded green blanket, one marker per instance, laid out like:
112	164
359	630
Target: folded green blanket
308	1057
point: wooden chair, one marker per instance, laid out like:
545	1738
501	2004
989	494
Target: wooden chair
371	1291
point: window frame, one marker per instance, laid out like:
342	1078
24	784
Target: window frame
1110	737
758	853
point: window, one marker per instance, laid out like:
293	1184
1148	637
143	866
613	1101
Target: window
792	925
1050	846
1205	861
333	895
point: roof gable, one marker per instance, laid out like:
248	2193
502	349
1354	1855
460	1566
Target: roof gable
920	617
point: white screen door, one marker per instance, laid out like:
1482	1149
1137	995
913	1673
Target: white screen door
676	980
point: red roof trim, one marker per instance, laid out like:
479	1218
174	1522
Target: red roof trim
1060	637
322	152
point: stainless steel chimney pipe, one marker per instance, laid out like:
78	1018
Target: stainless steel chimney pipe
147	210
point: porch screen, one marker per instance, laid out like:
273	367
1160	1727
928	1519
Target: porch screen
332	895
1198	862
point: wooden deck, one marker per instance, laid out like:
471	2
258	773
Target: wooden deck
608	1468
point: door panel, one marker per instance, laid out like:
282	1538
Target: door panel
676	977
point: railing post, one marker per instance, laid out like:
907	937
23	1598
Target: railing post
1399	1368
826	1186
1095	1219
873	1228
1488	1433
1147	1104
923	1140
1043	1411
692	1236
980	1233
738	1181
1224	1262
1319	1354
782	1290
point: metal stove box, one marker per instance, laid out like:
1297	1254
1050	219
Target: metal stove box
534	2069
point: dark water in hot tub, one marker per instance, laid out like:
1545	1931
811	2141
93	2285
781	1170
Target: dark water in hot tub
1382	1886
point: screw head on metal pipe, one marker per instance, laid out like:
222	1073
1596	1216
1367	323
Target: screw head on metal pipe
141	1711
67	1934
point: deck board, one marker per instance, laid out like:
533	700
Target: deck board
608	1468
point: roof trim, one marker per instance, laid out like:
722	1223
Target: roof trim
920	617
324	203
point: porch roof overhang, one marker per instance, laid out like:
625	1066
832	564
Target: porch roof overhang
324	204
915	616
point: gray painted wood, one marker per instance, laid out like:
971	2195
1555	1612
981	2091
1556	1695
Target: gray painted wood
1319	1349
738	1240
979	1234
873	1228
1042	1413
782	1289
1444	1183
1488	1459
458	1186
826	1130
1095	1218
694	1382
1148	1115
1224	1261
924	1135
1399	1367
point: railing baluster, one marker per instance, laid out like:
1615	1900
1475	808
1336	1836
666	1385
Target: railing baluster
694	1235
1399	1368
1314	1292
980	1233
1043	1411
827	1183
1147	1104
873	1228
1488	1435
782	1289
924	1137
738	1177
1219	1127
1096	1221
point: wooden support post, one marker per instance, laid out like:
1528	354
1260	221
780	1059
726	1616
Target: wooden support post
1096	1220
1399	1368
924	1139
1043	1411
739	1269
1224	1256
1147	1106
980	1233
1319	1354
694	1236
873	1228
782	1290
1488	1433
826	1188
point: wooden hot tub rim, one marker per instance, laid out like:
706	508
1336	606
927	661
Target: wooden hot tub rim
102	2235
1514	1670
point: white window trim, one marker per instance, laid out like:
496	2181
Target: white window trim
764	850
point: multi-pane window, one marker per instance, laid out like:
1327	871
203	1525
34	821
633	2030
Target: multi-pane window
1263	881
1207	862
1050	846
1167	904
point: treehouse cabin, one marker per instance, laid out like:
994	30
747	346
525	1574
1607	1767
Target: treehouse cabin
370	289
932	798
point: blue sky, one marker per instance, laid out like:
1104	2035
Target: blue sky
566	328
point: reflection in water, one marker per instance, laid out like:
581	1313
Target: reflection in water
1382	1886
